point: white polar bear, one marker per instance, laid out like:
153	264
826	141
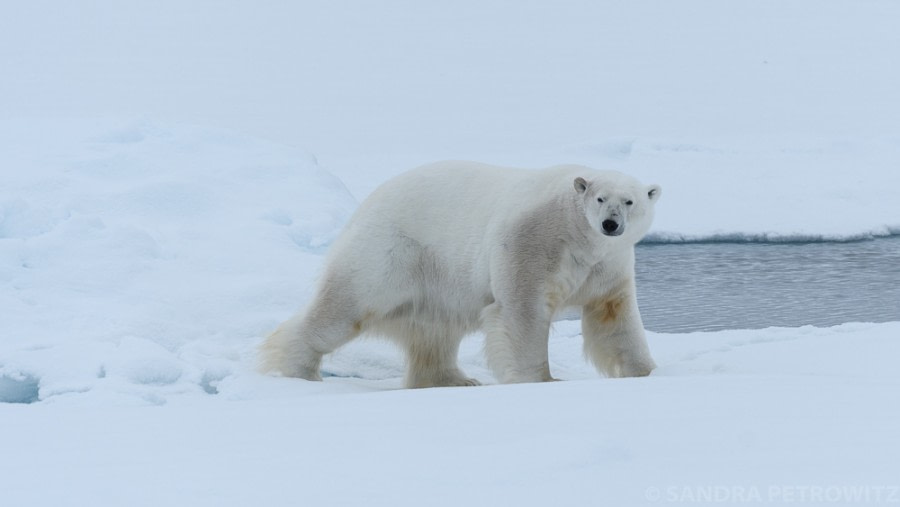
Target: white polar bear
450	248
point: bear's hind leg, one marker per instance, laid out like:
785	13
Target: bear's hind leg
296	348
287	351
432	359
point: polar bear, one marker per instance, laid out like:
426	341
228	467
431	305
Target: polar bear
455	247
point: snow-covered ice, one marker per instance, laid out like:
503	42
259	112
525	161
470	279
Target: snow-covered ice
173	173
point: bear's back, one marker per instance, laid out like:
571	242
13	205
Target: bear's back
456	208
448	200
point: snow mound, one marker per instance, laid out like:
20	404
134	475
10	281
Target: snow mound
134	254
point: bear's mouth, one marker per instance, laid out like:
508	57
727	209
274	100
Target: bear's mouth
611	228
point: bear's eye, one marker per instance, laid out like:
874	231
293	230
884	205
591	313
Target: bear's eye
599	199
629	202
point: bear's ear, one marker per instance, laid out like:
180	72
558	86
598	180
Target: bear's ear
580	184
653	192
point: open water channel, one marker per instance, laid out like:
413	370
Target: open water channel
712	286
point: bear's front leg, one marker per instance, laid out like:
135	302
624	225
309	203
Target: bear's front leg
517	323
614	338
516	343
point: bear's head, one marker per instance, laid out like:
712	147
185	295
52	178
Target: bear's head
617	205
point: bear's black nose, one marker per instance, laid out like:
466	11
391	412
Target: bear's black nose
610	226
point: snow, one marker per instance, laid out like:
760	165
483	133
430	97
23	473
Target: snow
719	413
173	173
152	253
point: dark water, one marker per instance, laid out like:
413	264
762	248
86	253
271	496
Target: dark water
712	286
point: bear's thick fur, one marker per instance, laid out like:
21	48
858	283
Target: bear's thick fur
456	247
